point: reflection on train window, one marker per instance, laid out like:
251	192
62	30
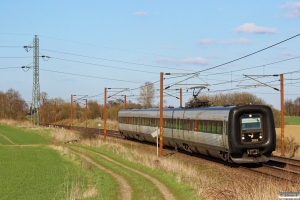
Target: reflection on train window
213	127
251	128
251	121
219	127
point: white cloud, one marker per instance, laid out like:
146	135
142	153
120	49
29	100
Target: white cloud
234	41
190	61
288	54
140	13
205	41
252	28
293	9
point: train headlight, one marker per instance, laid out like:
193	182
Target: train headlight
260	137
243	137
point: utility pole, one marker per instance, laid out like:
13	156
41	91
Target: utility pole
161	112
104	114
55	114
36	104
71	112
43	112
124	101
86	112
282	113
180	98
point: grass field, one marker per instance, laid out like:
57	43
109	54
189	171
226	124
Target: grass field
49	170
292	120
35	164
32	169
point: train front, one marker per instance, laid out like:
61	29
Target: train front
251	134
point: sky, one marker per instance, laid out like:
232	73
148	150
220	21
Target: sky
96	44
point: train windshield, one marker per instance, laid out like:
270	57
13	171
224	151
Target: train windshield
251	122
251	128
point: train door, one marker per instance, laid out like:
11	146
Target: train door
225	134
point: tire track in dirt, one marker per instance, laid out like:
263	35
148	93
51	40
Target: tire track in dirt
125	189
161	187
7	138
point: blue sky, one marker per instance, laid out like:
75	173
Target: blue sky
123	44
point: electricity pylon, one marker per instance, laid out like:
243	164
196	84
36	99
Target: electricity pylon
36	103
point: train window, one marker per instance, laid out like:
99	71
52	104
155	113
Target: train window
208	127
180	124
214	127
195	125
200	125
152	122
219	127
204	126
187	124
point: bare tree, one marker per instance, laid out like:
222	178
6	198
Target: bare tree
146	97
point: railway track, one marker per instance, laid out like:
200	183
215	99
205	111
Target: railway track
278	167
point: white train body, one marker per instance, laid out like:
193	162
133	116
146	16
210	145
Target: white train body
221	132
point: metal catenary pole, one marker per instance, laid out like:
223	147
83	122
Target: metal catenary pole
104	115
161	113
282	114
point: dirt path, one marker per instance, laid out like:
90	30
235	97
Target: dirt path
7	138
161	187
125	189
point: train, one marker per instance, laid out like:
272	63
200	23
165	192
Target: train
237	134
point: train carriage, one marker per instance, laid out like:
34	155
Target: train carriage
240	134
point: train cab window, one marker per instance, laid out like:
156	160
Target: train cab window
251	127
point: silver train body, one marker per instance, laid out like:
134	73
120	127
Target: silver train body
240	134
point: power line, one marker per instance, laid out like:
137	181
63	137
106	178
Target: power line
125	62
103	65
87	76
251	53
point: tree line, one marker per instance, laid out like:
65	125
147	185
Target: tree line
13	106
292	108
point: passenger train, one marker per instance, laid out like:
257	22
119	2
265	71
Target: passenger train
239	134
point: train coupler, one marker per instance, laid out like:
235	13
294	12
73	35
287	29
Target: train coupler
253	152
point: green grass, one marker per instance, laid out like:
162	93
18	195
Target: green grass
4	141
33	173
142	187
181	191
39	172
292	120
19	136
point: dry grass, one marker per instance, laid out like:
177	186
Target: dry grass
210	180
12	122
291	140
64	135
92	123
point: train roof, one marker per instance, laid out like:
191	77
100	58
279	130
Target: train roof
194	109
